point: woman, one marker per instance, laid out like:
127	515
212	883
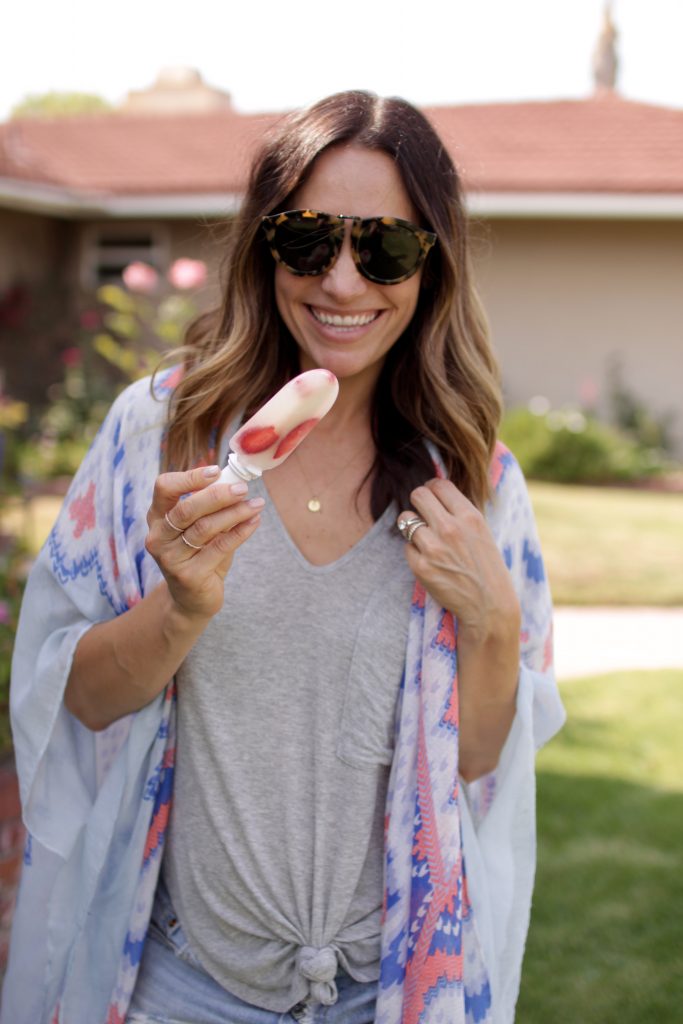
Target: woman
357	705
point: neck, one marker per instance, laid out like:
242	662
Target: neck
352	411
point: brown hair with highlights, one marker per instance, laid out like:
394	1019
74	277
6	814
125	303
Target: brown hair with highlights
439	382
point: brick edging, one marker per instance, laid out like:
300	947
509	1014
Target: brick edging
12	835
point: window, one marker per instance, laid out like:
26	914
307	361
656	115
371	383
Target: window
108	249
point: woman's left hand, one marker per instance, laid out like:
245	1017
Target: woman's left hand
456	559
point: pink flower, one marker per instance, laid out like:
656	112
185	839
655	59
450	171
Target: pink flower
185	273
140	277
589	392
72	357
5	617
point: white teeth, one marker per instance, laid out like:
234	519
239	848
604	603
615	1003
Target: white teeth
334	320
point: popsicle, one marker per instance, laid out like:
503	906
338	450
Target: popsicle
273	433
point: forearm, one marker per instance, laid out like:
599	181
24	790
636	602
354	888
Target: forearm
121	665
487	672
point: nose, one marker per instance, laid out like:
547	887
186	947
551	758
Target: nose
343	281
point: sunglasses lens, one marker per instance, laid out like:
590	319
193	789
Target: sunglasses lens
307	245
388	252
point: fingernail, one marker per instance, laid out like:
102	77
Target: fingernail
239	488
256	502
254	519
211	470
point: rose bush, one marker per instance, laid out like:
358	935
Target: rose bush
132	328
146	318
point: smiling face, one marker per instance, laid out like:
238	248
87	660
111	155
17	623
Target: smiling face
340	320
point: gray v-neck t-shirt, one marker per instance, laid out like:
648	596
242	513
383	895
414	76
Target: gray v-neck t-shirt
286	713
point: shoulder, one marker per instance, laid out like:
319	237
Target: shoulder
133	430
143	405
148	394
509	507
505	473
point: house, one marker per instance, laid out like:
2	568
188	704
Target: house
576	209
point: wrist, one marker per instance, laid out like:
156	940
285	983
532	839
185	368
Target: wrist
496	638
178	621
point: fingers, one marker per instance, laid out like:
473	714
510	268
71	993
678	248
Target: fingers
203	503
196	523
190	511
166	525
439	499
455	556
226	520
170	487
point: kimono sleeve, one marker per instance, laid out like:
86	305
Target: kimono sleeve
499	817
511	520
93	567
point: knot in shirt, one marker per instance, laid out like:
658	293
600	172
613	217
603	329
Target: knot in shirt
319	966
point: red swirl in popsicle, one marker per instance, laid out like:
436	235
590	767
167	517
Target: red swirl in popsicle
283	422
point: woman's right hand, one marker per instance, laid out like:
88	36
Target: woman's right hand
211	522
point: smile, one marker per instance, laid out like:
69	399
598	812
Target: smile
335	320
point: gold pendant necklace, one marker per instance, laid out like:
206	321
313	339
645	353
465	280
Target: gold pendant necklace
314	503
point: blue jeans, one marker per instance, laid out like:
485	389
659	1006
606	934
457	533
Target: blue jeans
173	987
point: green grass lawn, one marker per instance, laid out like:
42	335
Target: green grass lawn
606	938
602	545
611	546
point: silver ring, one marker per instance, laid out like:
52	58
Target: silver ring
197	547
408	526
172	525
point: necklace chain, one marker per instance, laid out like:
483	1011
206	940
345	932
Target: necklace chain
314	504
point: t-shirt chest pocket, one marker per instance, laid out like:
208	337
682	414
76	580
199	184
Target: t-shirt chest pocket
367	727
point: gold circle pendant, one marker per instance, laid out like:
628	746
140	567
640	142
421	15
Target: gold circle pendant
313	505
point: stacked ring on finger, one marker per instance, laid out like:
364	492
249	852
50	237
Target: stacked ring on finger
197	547
407	527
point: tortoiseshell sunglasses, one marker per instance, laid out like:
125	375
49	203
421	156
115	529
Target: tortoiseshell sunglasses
386	250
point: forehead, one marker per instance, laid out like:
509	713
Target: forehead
355	180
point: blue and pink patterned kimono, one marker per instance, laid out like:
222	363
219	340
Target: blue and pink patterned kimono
459	859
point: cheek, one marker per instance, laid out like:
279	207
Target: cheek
281	290
287	289
408	299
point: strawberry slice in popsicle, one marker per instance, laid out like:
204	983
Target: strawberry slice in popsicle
272	433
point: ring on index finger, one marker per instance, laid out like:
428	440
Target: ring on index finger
407	527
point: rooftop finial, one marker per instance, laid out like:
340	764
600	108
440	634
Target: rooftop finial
605	60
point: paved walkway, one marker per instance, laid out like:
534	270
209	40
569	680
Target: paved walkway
593	640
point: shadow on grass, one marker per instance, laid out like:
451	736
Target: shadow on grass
606	938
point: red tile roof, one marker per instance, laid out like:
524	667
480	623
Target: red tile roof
604	144
133	154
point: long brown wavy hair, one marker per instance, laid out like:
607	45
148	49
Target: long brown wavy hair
439	382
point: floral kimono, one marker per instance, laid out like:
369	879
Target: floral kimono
459	859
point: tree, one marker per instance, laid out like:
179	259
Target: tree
60	104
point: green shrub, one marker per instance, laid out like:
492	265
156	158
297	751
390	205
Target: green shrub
568	447
632	416
55	443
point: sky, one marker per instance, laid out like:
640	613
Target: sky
277	54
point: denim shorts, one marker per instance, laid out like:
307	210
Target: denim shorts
174	988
